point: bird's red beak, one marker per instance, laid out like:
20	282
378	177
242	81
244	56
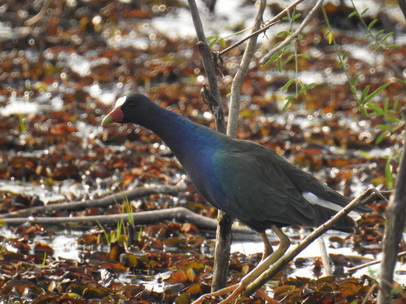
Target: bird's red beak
116	115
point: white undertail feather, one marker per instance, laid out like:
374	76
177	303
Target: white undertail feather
315	200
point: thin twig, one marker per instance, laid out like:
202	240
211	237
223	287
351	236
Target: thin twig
267	25
370	291
380	194
293	35
35	19
403	253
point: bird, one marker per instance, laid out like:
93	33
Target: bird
246	180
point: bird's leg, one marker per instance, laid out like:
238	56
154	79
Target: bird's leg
268	250
237	289
325	259
261	267
264	265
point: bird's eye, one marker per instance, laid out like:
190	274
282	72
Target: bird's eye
130	105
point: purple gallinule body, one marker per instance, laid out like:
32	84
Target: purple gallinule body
245	180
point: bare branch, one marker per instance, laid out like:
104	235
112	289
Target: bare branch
396	215
100	202
179	214
204	50
223	234
241	72
372	263
35	19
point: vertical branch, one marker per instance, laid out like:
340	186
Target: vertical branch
242	71
212	96
396	215
204	50
223	234
222	251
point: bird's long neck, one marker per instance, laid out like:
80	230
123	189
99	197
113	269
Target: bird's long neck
185	138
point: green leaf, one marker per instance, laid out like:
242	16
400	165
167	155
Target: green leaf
376	92
345	55
393	46
372	23
287	85
282	33
211	37
287	48
388	175
386	37
298	15
273	58
386	105
381	137
214	39
393	120
379	33
352	14
306	88
310	85
222	43
289	100
396	105
383	127
354	80
364	94
306	56
279	64
363	111
364	11
213	42
139	234
402	81
290	57
354	91
379	48
330	38
377	109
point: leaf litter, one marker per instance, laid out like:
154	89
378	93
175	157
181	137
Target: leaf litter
65	81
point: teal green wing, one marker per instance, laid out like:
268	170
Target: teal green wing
254	188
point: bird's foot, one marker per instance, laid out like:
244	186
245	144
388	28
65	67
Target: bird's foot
217	293
236	291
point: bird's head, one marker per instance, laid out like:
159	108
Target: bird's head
133	108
